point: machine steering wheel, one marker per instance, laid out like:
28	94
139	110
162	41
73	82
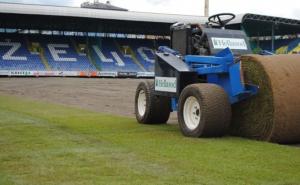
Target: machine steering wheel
221	19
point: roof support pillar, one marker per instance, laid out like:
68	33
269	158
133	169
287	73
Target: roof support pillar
273	38
244	30
206	8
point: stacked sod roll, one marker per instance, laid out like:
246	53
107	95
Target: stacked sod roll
274	113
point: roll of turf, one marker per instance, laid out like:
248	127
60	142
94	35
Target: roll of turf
274	113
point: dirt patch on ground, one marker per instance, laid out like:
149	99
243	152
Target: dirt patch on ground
113	96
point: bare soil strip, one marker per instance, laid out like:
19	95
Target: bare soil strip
112	96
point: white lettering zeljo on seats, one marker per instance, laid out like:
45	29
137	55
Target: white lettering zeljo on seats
103	58
55	52
118	59
101	55
141	51
14	47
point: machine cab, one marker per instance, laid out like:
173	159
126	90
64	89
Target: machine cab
209	39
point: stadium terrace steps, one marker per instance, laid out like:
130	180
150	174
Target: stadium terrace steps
44	59
296	49
74	44
294	46
92	58
83	50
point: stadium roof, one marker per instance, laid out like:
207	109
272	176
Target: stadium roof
104	6
31	9
84	19
262	25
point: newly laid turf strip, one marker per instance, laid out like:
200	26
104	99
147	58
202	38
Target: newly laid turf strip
42	144
274	114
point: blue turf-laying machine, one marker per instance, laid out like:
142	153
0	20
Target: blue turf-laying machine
199	77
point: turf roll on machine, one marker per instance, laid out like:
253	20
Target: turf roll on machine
204	78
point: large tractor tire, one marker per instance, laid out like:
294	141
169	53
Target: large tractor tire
149	108
204	110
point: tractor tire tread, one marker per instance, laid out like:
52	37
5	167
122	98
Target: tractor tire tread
215	110
158	108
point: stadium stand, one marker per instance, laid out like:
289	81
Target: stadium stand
65	53
24	52
282	46
99	39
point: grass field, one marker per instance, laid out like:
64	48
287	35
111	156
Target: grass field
42	144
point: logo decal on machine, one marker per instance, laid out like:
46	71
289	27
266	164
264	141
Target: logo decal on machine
165	84
232	43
